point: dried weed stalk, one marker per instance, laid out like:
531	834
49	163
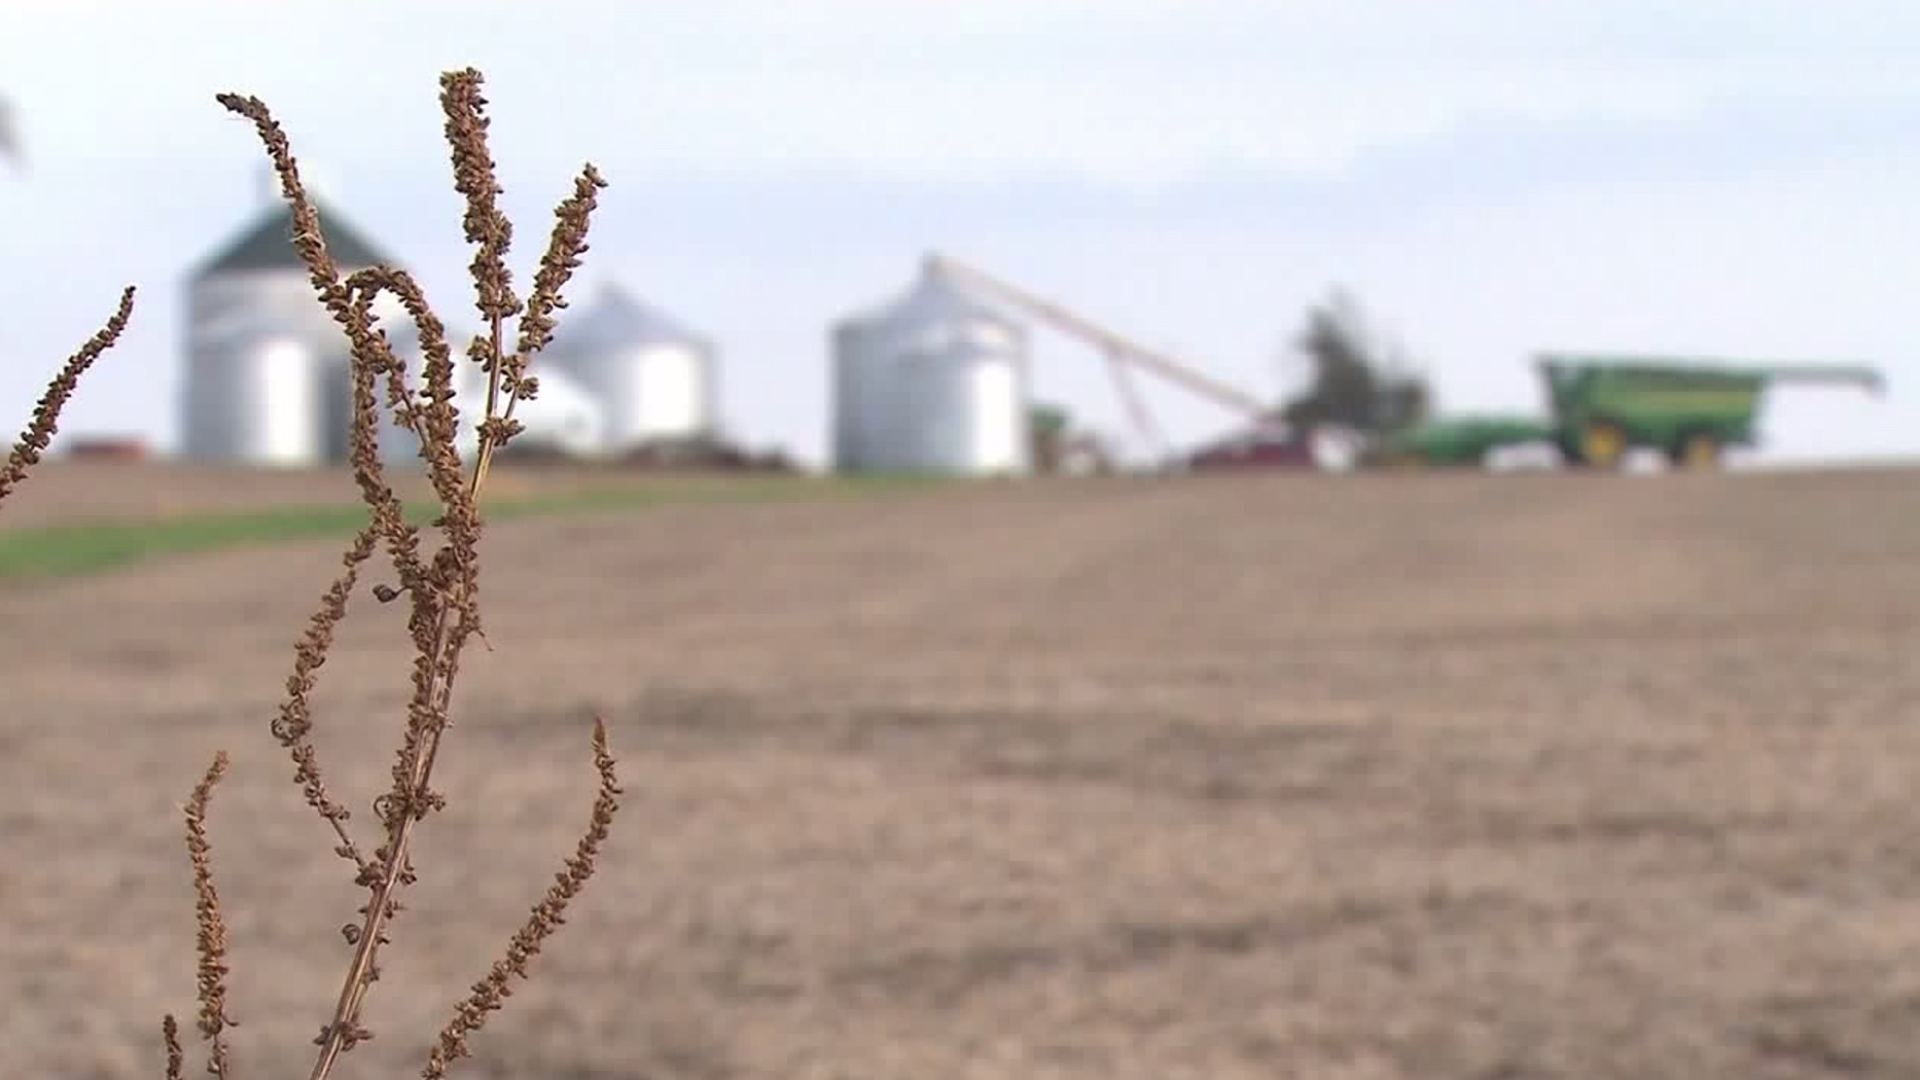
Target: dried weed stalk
46	415
212	941
442	589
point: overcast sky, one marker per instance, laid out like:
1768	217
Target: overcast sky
1492	177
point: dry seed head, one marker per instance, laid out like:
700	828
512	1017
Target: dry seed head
431	413
564	248
295	721
170	1036
46	415
371	354
443	589
212	937
491	992
475	177
307	239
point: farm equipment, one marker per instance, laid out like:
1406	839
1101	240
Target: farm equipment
1062	448
1602	407
1123	355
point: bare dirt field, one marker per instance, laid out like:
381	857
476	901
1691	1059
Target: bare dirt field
1469	777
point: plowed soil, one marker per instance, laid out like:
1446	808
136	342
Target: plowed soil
1440	777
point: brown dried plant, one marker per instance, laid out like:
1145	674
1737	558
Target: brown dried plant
46	415
442	588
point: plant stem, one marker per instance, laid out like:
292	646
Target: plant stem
353	990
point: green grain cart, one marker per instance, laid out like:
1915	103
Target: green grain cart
1602	407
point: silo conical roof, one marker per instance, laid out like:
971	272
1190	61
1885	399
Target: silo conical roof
934	297
616	318
267	245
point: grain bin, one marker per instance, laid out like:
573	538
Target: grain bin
261	384
256	398
934	382
655	380
858	396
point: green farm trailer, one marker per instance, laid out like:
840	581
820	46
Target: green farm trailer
1602	407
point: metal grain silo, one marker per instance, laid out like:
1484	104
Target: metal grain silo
655	380
251	305
934	382
257	400
858	395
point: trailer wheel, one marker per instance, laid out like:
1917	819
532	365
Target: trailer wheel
1697	450
1603	444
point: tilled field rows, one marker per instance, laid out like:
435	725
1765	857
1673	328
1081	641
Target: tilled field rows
1436	777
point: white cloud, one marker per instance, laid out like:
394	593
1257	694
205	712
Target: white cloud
1134	132
1131	93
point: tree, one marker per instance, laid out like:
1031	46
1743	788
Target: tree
1357	381
10	147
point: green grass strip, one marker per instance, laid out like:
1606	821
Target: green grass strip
53	551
